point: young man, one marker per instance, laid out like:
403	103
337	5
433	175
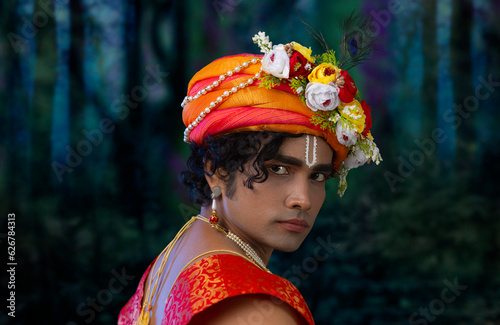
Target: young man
265	133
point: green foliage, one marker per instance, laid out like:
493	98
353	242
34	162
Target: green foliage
358	96
326	57
299	86
326	120
269	81
342	181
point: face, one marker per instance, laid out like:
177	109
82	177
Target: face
280	212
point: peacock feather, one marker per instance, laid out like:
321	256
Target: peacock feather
356	40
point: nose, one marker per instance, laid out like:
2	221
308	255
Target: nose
298	196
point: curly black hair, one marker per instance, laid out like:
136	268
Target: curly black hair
228	154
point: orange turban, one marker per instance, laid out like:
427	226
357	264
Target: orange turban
250	108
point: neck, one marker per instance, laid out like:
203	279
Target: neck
264	254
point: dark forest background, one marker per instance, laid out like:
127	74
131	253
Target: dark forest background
91	146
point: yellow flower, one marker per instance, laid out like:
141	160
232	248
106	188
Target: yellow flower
324	73
353	112
306	52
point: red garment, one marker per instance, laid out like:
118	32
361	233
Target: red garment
211	280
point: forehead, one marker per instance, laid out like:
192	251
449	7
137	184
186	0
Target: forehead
296	147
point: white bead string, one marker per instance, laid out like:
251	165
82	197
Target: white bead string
249	251
315	157
216	83
219	99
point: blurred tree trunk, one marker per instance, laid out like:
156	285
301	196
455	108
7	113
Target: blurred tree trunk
128	135
82	187
490	173
430	64
14	131
487	183
179	69
172	59
40	117
76	54
461	74
43	197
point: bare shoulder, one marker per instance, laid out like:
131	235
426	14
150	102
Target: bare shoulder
249	309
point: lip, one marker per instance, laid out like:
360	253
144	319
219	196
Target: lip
295	225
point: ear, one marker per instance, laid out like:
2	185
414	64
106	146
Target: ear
214	179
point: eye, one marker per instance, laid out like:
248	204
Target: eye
319	177
278	170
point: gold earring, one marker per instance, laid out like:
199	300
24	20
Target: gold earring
214	218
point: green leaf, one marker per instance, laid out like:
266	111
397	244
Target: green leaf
296	83
269	81
358	96
326	120
327	57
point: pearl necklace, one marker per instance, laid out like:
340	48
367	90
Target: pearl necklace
249	251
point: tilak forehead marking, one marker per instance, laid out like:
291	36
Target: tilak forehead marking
314	153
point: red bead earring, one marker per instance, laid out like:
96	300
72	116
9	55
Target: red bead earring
214	218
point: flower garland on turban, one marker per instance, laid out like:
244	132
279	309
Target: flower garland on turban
289	90
327	90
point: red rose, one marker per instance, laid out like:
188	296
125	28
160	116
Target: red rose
298	65
368	121
347	93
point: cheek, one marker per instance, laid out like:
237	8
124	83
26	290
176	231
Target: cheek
262	196
265	196
319	197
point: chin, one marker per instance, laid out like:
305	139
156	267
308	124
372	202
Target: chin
289	247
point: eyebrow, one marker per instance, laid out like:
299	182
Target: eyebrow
289	160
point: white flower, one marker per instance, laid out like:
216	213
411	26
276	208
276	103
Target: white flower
356	157
277	62
263	41
308	66
376	155
260	36
352	111
322	97
335	118
374	152
299	90
346	136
